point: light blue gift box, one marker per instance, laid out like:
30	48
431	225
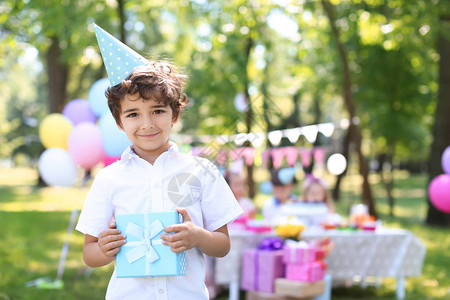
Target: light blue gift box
144	254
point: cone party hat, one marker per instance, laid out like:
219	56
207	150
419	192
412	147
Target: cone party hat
119	59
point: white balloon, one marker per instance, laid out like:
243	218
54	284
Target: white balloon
240	103
336	164
57	167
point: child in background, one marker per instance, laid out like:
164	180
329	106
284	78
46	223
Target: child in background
282	195
315	190
238	184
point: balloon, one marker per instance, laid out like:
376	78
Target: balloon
79	110
266	187
336	164
57	167
107	160
54	131
240	103
96	97
85	145
439	192
286	175
114	140
446	160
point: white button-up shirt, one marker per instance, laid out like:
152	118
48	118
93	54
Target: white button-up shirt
132	185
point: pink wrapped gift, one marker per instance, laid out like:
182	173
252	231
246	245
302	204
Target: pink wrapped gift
260	268
309	272
299	253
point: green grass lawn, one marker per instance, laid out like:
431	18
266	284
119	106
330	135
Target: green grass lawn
34	223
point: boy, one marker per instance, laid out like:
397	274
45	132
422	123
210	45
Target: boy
153	177
282	195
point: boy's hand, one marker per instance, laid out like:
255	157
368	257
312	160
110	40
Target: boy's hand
186	236
110	240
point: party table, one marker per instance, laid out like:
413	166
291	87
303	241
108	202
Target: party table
393	253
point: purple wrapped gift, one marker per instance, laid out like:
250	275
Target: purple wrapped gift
260	267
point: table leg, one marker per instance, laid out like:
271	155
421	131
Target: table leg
234	290
400	292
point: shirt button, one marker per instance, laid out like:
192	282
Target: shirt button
161	291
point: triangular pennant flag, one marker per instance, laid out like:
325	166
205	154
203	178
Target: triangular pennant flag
291	155
119	59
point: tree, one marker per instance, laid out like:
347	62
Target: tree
354	131
441	129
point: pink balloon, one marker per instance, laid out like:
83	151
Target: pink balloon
446	160
85	145
107	160
78	111
439	192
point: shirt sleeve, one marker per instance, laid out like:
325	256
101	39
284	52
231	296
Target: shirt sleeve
219	206
97	209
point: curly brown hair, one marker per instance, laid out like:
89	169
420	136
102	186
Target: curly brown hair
157	80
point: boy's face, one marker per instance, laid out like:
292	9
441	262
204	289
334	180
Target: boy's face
283	193
147	124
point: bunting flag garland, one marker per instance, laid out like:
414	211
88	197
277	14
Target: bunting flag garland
280	155
257	139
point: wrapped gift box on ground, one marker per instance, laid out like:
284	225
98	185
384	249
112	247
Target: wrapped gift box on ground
144	254
252	295
298	289
260	268
309	272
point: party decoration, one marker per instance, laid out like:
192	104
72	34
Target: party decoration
446	160
336	164
79	110
266	187
119	59
54	131
107	160
85	145
286	175
114	140
96	97
57	167
439	192
240	103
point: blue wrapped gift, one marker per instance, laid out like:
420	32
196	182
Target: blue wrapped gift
144	254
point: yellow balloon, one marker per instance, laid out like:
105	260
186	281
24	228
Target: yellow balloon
54	131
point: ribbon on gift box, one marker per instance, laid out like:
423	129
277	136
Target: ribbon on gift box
271	244
144	247
293	249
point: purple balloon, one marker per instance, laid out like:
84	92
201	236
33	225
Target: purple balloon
439	192
85	145
78	111
446	160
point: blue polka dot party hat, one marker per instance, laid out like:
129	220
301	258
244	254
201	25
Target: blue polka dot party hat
119	59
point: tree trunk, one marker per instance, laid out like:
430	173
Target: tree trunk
336	194
350	105
249	116
441	129
121	11
57	72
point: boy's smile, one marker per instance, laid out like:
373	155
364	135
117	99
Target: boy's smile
147	123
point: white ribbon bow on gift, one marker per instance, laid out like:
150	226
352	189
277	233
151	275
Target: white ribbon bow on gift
144	247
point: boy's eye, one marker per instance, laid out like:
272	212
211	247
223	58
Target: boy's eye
159	111
132	115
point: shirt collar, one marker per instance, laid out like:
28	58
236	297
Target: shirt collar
129	152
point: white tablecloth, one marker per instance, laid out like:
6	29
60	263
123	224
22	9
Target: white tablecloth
384	253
